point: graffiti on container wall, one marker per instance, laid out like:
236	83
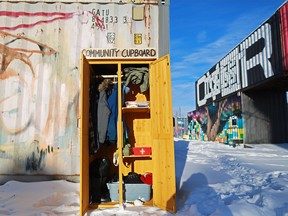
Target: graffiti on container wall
32	99
255	59
221	121
40	81
97	22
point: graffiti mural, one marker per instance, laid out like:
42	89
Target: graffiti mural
221	121
181	127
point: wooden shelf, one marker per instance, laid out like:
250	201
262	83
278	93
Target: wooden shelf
138	156
136	109
113	204
103	205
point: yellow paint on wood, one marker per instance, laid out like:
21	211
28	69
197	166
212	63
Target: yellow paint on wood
150	127
84	126
162	136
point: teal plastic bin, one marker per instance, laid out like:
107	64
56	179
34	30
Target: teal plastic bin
131	192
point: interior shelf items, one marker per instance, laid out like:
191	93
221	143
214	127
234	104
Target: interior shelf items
127	134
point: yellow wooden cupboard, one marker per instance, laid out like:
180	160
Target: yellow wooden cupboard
149	127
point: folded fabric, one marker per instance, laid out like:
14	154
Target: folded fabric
138	76
147	178
132	178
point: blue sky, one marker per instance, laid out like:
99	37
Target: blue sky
201	33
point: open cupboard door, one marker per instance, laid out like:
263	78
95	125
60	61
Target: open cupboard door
84	134
164	185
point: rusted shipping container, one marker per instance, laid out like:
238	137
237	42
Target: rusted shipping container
55	56
40	47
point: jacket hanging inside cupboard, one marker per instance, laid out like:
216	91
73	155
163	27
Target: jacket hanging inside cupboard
103	113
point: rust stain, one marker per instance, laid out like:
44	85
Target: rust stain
148	22
131	26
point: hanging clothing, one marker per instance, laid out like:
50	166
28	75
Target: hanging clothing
103	111
93	134
113	106
103	114
112	123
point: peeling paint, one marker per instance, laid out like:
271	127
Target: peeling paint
40	46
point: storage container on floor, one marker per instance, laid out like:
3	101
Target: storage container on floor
131	192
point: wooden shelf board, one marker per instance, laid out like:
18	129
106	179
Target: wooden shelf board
138	156
114	204
136	109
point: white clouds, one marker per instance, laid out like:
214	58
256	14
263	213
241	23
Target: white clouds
191	57
233	32
201	36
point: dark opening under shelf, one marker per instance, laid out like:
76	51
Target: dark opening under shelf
136	109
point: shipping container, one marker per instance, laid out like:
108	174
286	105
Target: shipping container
260	59
284	35
181	127
256	71
51	53
221	121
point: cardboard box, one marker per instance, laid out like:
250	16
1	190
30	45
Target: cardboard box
131	192
142	150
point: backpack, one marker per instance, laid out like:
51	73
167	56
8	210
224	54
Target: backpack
98	177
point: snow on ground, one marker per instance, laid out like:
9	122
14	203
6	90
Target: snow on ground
212	179
218	179
39	198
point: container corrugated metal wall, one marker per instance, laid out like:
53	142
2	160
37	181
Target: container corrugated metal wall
284	35
40	46
257	59
265	115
